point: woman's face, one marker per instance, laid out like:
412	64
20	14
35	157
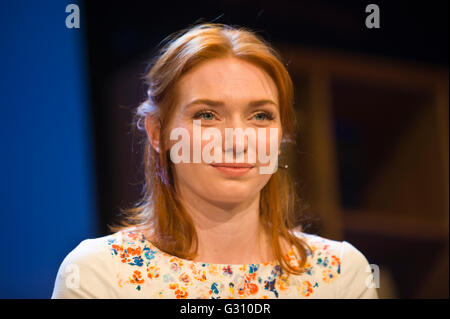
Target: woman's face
226	93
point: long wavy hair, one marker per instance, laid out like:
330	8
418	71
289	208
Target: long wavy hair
159	208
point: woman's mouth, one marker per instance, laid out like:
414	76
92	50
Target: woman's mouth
233	169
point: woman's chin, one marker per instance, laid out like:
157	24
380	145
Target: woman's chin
229	201
236	194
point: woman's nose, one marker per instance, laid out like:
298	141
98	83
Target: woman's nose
235	141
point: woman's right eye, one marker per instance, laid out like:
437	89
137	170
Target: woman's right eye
204	115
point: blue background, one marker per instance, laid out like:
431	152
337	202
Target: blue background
47	178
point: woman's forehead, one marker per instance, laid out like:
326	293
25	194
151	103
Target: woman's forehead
228	80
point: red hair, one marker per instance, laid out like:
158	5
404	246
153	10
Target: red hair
160	208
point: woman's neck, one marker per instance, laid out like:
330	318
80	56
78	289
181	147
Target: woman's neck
228	233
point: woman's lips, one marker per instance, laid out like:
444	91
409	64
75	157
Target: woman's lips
233	169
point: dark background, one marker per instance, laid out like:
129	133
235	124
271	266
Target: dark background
120	34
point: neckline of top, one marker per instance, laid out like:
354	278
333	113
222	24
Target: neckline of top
207	264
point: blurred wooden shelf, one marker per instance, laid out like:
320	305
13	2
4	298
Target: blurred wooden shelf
374	133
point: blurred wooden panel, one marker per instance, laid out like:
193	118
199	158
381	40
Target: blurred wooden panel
410	180
375	137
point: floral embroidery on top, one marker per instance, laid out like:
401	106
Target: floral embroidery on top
161	275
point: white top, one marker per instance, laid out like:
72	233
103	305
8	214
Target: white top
127	265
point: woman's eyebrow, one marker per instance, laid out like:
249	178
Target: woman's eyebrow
214	103
204	101
261	102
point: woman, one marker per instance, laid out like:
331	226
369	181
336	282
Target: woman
214	228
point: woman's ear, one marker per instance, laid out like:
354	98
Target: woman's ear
153	128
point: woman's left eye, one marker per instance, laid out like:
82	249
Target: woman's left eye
263	116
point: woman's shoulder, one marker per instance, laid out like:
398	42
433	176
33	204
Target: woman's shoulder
317	243
95	249
353	272
86	270
337	247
